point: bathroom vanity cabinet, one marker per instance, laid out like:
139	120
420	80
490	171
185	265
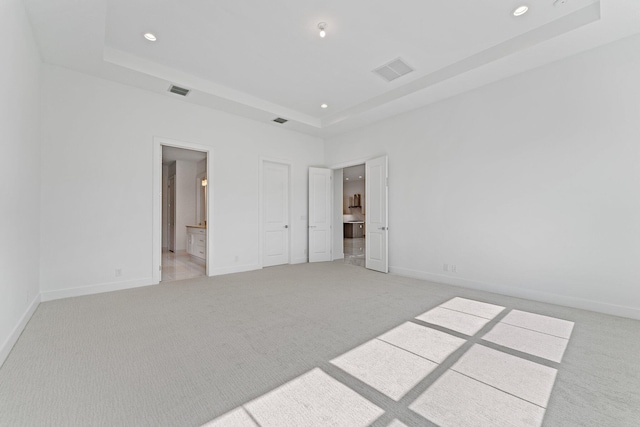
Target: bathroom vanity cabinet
197	241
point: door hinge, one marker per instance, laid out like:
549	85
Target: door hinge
160	267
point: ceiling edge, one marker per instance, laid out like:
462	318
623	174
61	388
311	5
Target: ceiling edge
126	60
577	19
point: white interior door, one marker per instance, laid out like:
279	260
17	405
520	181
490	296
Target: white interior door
275	213
377	249
319	214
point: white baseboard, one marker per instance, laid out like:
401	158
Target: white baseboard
301	260
338	256
550	298
95	289
15	334
234	269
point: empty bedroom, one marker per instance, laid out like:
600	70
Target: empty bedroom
303	213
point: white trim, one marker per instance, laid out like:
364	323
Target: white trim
361	161
289	164
546	297
158	142
95	289
301	260
11	340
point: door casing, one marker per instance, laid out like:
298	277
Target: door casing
156	220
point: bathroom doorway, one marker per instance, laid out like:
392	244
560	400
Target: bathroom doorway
184	214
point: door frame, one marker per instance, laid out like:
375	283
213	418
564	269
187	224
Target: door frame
347	164
156	222
171	214
292	228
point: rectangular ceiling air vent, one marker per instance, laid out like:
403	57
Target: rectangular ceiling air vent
280	120
178	90
393	70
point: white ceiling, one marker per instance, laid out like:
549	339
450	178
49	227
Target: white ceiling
353	173
265	59
171	154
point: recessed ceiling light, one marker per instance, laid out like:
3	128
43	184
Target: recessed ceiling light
520	10
324	106
322	26
150	37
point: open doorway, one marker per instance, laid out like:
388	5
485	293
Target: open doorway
184	214
331	204
354	215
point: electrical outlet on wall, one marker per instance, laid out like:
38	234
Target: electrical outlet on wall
236	258
118	272
454	268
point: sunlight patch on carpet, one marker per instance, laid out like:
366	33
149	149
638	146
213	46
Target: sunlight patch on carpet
482	385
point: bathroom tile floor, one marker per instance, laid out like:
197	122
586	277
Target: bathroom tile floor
180	266
354	251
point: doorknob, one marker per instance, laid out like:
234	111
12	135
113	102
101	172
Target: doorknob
312	226
383	228
286	226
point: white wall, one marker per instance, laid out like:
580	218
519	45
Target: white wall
20	173
200	192
530	186
185	200
201	166
97	180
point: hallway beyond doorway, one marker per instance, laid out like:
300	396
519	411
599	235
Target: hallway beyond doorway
354	251
180	266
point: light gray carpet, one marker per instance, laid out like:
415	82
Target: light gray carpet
185	353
